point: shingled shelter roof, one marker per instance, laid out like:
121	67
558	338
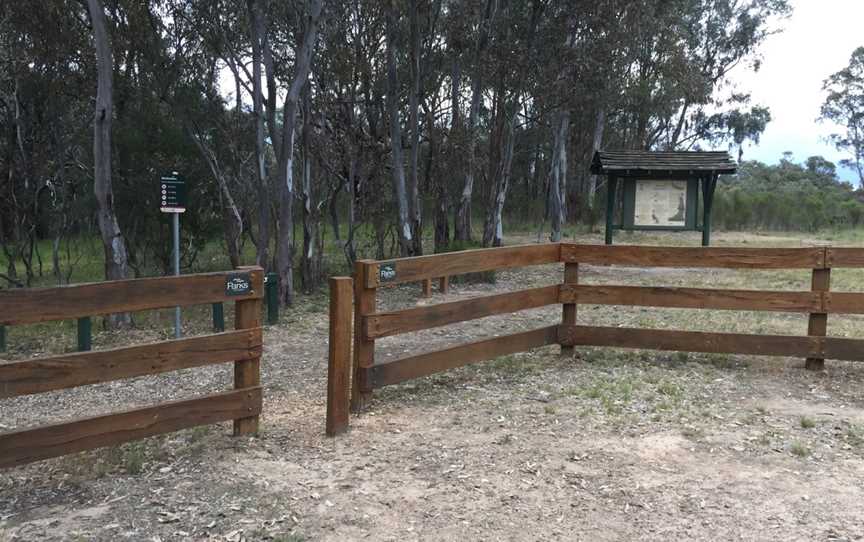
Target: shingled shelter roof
646	163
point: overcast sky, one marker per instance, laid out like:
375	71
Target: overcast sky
816	41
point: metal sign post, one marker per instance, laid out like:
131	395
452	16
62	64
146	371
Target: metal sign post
173	200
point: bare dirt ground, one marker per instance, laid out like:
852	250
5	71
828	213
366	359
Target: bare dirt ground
611	445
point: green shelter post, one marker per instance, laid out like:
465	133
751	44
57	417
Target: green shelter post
85	334
271	291
709	184
611	186
218	317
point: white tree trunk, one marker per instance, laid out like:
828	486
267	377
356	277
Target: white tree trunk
406	238
462	226
599	128
116	258
493	230
414	207
558	174
302	67
256	26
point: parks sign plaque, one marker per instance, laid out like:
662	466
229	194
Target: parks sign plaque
239	284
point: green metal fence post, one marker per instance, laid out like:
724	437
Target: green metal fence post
218	317
85	337
271	288
611	185
2	338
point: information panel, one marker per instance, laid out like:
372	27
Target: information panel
660	203
172	188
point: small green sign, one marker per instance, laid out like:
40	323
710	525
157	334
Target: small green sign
238	284
387	272
172	193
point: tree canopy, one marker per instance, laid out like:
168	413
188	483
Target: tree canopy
362	122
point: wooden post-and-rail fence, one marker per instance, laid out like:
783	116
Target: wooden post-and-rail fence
358	364
242	346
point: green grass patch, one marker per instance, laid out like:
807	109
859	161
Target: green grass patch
799	449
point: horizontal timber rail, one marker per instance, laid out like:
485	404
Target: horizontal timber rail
371	324
399	271
241	346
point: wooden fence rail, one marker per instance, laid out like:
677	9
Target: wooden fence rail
241	346
817	303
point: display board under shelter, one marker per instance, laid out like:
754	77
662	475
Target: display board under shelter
661	190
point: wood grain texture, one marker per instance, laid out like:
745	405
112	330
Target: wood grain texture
80	369
26	446
444	285
339	356
365	303
844	302
692	298
691	341
385	324
842	349
569	308
817	325
27	306
845	257
420	365
247	372
457	263
712	257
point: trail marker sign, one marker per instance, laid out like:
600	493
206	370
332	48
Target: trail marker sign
172	199
172	193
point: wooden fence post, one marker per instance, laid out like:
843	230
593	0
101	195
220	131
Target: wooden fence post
339	360
817	326
568	317
364	349
247	374
444	284
427	287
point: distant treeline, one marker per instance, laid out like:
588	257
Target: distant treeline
787	197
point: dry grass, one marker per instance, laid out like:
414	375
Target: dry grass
614	444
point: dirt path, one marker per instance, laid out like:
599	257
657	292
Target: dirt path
615	445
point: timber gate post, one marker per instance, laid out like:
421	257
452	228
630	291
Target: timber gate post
568	317
339	356
247	373
444	284
817	325
365	303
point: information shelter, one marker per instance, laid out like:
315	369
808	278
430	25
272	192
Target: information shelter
661	190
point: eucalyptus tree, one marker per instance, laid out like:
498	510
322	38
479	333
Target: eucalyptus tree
310	16
46	136
397	167
116	257
514	56
462	222
682	52
844	106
